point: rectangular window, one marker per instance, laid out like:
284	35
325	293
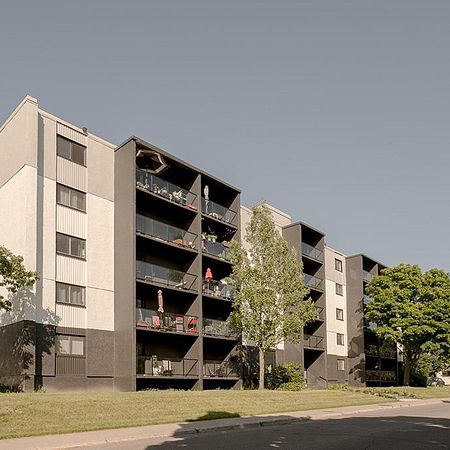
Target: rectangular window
339	314
70	294
339	339
338	264
339	289
70	197
340	364
71	150
70	245
69	345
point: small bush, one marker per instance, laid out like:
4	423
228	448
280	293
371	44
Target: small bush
288	377
9	389
339	387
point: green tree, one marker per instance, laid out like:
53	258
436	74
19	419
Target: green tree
269	305
412	308
13	276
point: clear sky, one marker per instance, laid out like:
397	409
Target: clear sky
336	112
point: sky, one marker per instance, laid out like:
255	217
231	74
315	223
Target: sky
336	112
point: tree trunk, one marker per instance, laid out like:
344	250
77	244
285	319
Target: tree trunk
407	371
261	369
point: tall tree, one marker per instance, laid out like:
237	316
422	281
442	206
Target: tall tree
13	276
412	308
269	305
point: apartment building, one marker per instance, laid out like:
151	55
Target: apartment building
132	247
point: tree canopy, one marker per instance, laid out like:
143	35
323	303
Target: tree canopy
269	305
13	276
412	308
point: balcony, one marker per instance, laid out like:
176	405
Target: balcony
314	342
152	273
215	288
313	282
367	299
154	366
166	233
320	313
221	369
169	191
216	249
312	252
219	212
367	276
218	328
148	319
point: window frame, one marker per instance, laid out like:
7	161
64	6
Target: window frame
70	337
340	314
340	360
84	164
338	265
339	289
59	252
70	286
339	337
71	189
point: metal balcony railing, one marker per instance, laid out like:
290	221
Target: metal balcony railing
161	321
165	189
320	312
158	366
219	212
222	369
313	282
220	328
163	275
313	341
217	288
367	276
164	232
216	249
312	252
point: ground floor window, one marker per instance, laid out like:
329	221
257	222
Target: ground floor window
340	364
70	345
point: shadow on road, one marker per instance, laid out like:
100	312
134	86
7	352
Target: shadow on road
389	432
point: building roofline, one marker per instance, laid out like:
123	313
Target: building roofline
178	160
363	255
304	225
27	98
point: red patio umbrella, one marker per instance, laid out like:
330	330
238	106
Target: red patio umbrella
160	301
208	276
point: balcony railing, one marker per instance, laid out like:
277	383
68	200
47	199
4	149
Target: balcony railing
312	252
367	276
221	369
166	367
219	212
381	375
164	189
164	232
149	319
218	289
320	312
163	275
218	328
313	282
367	299
312	341
216	249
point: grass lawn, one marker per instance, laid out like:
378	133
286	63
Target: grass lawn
47	413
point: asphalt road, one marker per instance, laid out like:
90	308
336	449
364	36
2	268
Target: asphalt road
417	427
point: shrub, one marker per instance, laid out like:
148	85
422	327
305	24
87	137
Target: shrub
287	377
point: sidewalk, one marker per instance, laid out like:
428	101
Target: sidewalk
77	440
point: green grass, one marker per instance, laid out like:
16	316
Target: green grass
48	413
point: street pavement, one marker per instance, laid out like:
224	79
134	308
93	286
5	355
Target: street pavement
415	427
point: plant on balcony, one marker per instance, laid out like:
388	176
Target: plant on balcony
269	305
412	308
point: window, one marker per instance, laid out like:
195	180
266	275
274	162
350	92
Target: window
339	339
70	197
71	150
69	345
339	289
338	264
339	314
69	245
71	294
340	364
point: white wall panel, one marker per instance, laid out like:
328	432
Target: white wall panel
69	221
71	174
71	134
100	309
71	316
70	270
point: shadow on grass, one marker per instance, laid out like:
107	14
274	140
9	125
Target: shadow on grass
211	415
